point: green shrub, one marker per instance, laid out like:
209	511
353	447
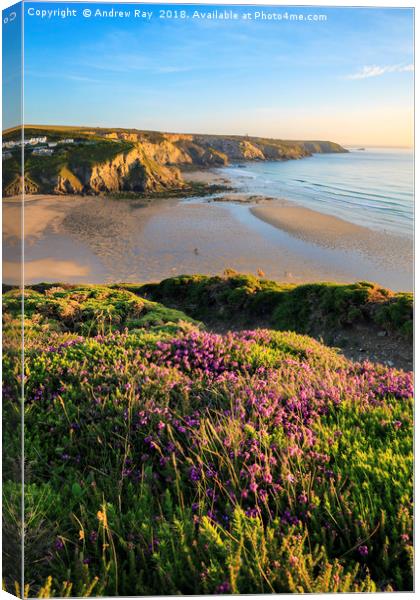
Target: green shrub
161	458
247	300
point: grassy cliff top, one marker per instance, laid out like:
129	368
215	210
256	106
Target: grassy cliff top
162	456
156	136
363	319
244	299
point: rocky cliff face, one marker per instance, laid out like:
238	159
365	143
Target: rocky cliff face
217	150
106	161
133	171
18	185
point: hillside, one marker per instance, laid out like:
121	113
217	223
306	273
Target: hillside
164	456
364	319
97	160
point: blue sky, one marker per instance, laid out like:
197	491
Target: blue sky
348	78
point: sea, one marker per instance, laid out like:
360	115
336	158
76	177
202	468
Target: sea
373	187
102	240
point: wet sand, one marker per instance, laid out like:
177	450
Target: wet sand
40	211
332	232
208	176
99	240
52	269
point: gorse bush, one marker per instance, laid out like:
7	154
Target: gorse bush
90	309
304	308
164	459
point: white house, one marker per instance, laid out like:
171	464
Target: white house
11	144
36	140
42	151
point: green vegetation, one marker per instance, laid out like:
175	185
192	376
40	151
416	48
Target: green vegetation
44	170
163	458
11	169
75	158
244	300
96	152
90	310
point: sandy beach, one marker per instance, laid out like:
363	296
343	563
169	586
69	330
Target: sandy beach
332	232
209	176
96	239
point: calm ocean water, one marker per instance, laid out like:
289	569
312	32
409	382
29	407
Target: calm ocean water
373	187
98	239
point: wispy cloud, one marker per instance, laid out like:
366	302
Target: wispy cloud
174	69
377	71
59	76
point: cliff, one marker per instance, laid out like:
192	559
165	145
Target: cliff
97	161
132	171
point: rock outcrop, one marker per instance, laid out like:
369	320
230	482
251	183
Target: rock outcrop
68	183
19	185
111	161
133	171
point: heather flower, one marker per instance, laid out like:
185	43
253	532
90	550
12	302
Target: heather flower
195	474
93	536
223	588
263	495
231	426
268	478
58	544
